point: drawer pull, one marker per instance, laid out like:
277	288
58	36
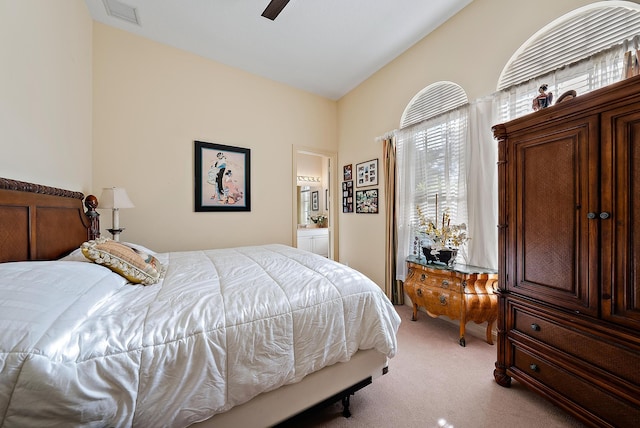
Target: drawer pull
443	299
534	367
423	277
445	283
535	327
419	292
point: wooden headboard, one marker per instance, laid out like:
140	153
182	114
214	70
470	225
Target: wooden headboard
43	223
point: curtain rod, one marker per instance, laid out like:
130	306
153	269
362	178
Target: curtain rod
387	135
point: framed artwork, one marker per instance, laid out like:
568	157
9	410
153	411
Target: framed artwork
314	201
347	172
367	201
222	177
347	196
367	173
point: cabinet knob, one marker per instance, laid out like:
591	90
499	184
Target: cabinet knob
443	299
445	283
591	216
535	327
534	367
604	215
423	277
419	292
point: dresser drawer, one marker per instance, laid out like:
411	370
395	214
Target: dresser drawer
596	350
444	281
440	302
541	373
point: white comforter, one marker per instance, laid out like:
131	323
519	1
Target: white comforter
81	346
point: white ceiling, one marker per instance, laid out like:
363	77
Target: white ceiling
326	47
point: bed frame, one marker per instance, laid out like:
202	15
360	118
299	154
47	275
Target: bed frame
42	222
45	223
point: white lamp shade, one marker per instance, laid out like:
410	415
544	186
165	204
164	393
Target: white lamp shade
114	198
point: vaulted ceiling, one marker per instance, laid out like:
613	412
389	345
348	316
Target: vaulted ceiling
327	47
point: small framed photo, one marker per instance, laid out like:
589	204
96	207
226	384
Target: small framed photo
367	201
222	177
367	173
347	172
347	196
314	201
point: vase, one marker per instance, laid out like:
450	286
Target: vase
445	256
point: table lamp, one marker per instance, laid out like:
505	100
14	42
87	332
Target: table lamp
115	198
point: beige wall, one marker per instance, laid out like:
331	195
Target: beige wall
152	101
45	92
470	49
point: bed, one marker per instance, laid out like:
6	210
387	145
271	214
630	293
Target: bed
246	336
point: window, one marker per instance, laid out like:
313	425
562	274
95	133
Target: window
571	53
431	156
432	101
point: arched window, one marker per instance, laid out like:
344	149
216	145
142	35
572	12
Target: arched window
431	157
432	101
580	51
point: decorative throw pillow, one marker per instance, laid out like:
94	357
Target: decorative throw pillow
136	266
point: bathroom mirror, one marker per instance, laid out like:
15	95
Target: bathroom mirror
304	204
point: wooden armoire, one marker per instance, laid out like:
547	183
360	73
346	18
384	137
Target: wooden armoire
569	254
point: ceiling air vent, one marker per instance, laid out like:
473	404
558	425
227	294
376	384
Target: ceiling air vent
122	11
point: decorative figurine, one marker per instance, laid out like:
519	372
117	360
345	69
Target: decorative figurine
543	100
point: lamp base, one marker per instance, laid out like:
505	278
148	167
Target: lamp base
115	233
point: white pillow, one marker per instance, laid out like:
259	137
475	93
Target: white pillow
75	256
140	248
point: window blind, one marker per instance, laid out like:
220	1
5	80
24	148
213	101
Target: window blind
432	101
574	37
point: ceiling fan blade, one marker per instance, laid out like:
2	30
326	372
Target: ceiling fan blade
274	8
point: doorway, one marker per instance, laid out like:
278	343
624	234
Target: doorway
314	196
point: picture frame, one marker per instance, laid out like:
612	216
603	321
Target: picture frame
314	201
222	177
347	172
347	196
367	173
367	201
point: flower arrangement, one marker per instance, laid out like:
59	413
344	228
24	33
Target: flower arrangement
318	219
443	235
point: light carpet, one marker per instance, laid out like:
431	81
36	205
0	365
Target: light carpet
434	382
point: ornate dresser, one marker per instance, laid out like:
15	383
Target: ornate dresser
462	293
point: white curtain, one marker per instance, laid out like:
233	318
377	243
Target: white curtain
592	73
431	161
482	184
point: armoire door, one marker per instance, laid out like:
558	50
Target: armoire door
554	185
621	202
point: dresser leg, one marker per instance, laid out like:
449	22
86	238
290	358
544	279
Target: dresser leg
415	313
489	332
500	375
